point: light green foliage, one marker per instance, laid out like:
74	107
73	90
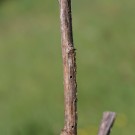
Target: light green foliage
31	85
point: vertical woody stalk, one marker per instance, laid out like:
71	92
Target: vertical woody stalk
69	69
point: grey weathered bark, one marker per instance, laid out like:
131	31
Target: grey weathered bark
107	123
69	68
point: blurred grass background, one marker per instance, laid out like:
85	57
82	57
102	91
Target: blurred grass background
31	80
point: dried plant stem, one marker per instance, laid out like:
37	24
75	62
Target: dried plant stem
69	68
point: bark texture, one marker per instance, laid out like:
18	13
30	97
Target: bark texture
107	123
69	68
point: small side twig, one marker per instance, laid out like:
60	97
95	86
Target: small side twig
107	123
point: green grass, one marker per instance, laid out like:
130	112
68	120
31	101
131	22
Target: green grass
31	85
